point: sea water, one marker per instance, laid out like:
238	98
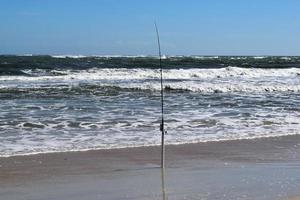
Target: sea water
75	103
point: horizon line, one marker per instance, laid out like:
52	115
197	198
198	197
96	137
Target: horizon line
151	55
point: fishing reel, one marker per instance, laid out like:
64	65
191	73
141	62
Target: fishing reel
162	129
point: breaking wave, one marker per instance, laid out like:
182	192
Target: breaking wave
75	103
229	79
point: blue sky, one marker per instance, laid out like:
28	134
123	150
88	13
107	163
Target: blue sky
202	27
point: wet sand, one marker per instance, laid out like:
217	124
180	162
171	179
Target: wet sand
263	169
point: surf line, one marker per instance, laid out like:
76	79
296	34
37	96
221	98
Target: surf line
162	124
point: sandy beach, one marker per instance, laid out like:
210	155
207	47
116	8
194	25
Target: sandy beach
88	89
246	169
295	198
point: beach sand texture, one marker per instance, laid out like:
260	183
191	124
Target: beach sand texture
262	169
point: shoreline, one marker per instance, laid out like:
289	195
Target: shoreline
258	161
150	146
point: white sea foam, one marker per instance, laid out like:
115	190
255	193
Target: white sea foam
68	56
229	79
252	103
103	56
285	58
259	57
136	73
204	57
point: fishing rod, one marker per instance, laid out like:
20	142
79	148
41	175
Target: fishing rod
162	127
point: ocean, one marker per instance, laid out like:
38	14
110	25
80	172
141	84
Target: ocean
77	103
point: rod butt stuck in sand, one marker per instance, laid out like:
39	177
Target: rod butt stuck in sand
162	128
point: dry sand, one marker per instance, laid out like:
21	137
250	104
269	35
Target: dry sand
263	169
